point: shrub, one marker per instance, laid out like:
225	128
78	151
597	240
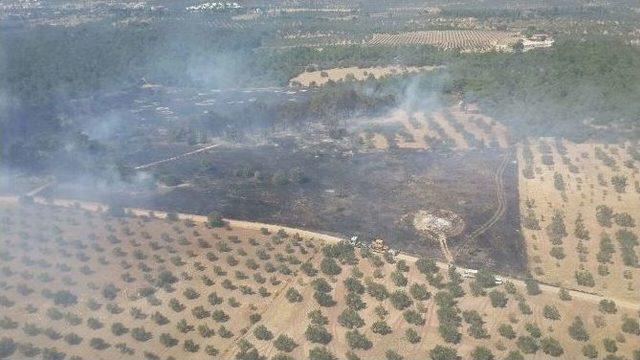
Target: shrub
27	349
585	278
284	343
7	347
419	292
532	285
119	329
608	306
64	298
219	316
293	295
533	330
506	330
317	318
317	334
551	346
589	351
400	300
354	301
99	344
214	219
324	299
140	334
381	327
610	345
412	336
577	330
527	344
377	291
514	355
551	312
190	346
350	319
413	317
329	266
440	352
321	285
498	298
482	353
320	353
630	326
357	340
262	333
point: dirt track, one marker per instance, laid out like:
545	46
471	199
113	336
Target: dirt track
98	207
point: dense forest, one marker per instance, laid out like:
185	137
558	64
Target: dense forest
556	91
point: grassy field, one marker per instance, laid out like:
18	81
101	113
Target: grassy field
141	287
590	190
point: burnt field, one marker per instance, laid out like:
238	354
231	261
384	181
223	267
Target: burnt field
329	189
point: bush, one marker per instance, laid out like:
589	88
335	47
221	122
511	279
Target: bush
219	316
354	285
321	285
64	298
608	306
357	340
324	299
317	318
377	291
285	343
400	300
214	219
381	327
514	355
141	334
413	317
589	351
168	341
498	298
610	345
630	326
533	330
585	278
119	329
354	301
7	347
317	334
329	266
99	344
419	292
551	346
443	353
190	346
350	319
532	285
577	330
320	353
412	336
551	312
262	333
527	344
506	330
293	295
482	353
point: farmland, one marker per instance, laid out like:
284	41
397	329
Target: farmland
143	287
320	77
466	40
580	203
449	128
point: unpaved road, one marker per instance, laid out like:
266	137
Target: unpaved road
501	208
99	207
177	157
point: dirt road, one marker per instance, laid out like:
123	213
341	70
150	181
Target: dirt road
151	164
